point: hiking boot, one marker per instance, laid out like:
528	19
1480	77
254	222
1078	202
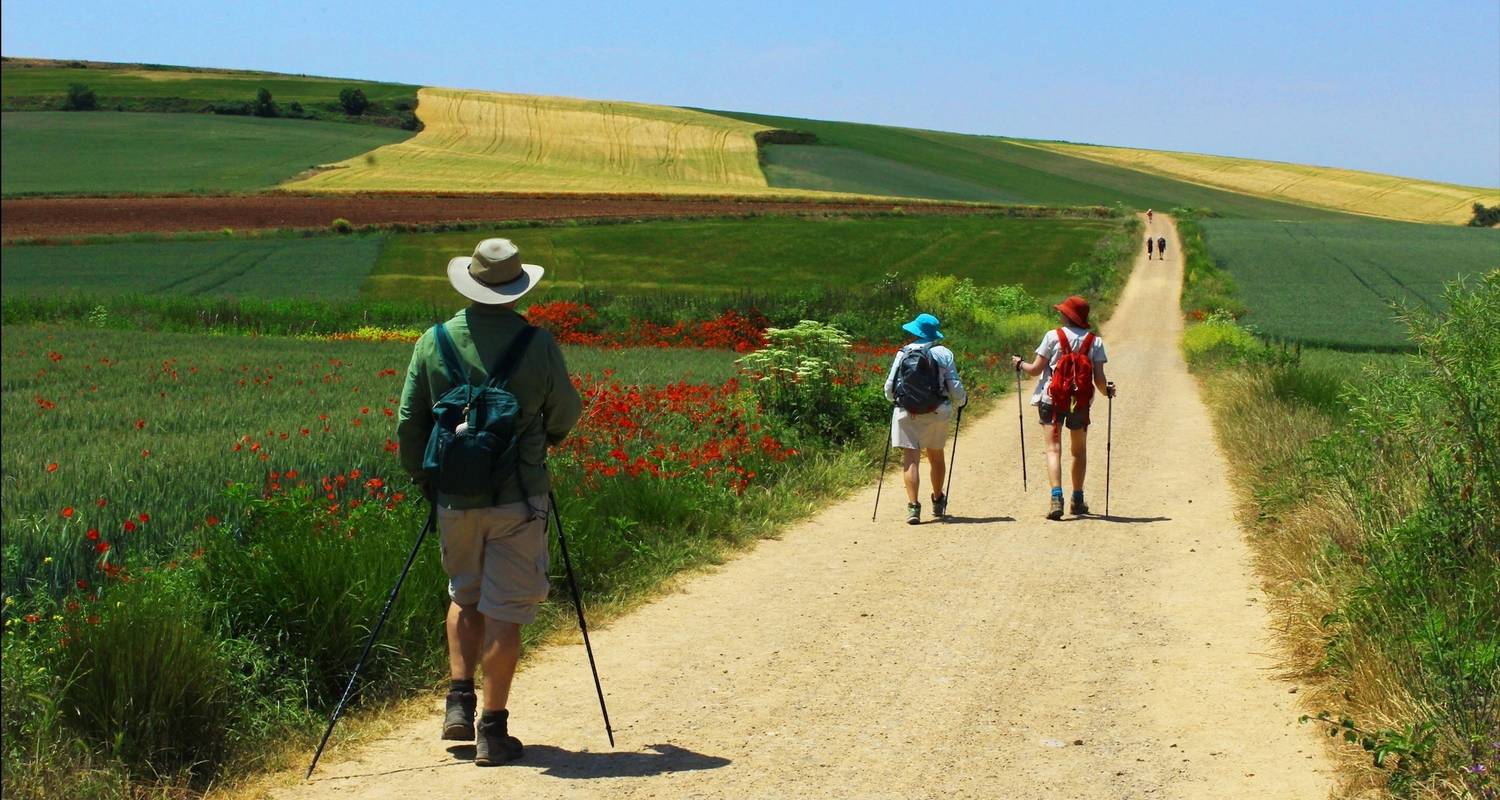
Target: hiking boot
458	719
494	745
940	505
1077	507
913	513
1057	507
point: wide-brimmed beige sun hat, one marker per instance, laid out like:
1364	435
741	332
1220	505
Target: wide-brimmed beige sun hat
494	274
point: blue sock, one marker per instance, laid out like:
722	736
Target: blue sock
1057	491
1077	494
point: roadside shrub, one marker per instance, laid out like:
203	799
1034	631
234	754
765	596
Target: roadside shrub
1218	341
238	108
295	109
807	376
341	226
353	101
80	98
960	300
264	105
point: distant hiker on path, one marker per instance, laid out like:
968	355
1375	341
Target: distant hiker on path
492	516
1149	243
924	387
1149	215
1161	246
1070	361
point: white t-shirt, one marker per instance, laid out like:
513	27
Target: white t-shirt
1050	350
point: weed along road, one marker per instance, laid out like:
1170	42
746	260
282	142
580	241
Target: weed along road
996	655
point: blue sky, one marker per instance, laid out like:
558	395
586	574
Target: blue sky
1406	88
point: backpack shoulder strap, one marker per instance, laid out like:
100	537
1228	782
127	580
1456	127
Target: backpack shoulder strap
1062	342
511	358
1087	344
449	352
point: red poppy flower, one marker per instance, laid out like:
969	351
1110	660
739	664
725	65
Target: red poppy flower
67	512
101	502
83	584
129	526
145	454
140	424
93	534
33	619
143	517
92	619
52	467
211	521
102	547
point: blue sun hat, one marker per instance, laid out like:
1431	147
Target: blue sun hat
924	327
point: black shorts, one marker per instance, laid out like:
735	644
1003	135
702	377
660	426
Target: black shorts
1074	421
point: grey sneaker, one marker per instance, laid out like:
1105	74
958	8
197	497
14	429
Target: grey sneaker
1077	507
494	745
458	719
913	513
940	505
1057	507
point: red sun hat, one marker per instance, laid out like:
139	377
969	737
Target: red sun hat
1075	308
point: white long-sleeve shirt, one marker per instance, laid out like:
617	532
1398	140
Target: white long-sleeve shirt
953	388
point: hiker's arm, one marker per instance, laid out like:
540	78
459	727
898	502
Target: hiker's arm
1033	369
562	406
414	420
1100	382
956	394
890	380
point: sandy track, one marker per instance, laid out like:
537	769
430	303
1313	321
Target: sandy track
81	216
986	657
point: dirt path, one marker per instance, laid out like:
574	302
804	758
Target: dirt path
986	657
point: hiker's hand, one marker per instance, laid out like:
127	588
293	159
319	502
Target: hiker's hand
1015	362
1110	390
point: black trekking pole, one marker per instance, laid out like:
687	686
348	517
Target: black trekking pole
1021	423
562	542
953	456
374	632
881	485
1109	435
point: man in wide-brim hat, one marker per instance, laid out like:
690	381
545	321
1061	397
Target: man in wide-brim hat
494	544
1073	336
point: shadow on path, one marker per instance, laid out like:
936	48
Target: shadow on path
1118	518
974	520
560	763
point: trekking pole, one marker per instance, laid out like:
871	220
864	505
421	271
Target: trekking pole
881	485
374	632
583	626
953	456
1021	423
1109	435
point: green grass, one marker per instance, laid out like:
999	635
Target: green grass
326	268
766	256
878	159
56	152
114	83
1333	284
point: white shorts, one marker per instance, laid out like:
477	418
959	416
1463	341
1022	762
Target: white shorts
921	431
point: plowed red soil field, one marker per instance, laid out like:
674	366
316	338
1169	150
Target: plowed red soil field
81	216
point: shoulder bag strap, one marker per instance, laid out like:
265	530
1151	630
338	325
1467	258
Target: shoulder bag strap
449	352
511	358
1062	341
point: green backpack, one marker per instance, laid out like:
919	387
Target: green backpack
474	445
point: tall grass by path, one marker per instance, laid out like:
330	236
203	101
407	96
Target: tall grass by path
1372	490
106	152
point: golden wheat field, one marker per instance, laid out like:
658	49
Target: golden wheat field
492	142
1342	189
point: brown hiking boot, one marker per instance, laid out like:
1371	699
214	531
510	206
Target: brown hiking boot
1057	507
494	745
458	718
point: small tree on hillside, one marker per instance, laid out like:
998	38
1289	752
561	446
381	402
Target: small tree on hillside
354	101
264	105
1485	217
80	98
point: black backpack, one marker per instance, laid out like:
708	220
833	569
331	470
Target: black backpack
919	380
482	456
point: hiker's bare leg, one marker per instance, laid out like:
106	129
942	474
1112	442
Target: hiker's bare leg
465	632
1080	442
1054	454
911	472
939	466
502	649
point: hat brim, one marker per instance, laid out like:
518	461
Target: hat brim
466	285
1067	312
911	328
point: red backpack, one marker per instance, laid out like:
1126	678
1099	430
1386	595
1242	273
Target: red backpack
1072	384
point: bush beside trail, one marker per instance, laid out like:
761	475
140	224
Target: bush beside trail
1375	490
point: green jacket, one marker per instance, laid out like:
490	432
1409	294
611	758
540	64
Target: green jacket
550	406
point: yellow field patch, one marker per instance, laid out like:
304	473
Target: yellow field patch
1341	189
491	142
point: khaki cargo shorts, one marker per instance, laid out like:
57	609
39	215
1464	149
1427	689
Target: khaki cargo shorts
496	558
